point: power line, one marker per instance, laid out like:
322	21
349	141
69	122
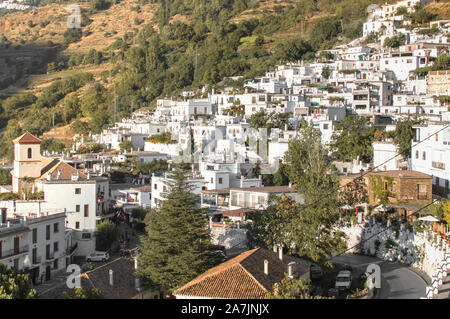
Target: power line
388	227
372	169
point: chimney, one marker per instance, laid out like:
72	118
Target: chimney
266	267
291	269
111	278
280	253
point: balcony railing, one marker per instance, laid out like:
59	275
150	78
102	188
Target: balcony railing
50	256
37	260
14	252
438	165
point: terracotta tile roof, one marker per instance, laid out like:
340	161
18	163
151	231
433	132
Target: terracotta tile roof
27	138
124	281
52	166
242	277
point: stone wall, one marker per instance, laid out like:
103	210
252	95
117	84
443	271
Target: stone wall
403	245
229	237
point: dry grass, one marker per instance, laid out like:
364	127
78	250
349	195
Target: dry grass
63	133
116	21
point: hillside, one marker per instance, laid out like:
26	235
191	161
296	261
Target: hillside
48	23
129	53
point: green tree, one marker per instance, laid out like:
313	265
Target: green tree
404	134
177	247
292	288
307	229
314	177
106	234
81	293
126	146
14	285
326	73
351	139
5	176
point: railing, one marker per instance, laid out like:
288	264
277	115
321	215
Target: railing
70	250
37	260
50	256
14	252
438	165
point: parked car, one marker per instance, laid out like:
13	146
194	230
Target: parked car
344	280
98	256
315	272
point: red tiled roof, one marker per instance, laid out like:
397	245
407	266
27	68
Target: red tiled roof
242	277
27	138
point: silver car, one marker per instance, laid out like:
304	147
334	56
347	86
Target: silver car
98	256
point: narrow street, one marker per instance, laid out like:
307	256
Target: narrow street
397	281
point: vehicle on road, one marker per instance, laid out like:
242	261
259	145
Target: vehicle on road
315	272
344	280
98	256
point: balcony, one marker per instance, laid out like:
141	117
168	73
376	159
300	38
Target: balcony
438	165
50	256
37	261
14	252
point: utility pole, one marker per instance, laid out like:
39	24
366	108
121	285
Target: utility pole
115	104
196	61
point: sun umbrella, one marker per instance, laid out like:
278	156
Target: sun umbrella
381	208
429	219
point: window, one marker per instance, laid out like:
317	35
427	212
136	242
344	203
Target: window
437	137
220	180
77	225
77	191
55	246
47	232
29	152
417	154
34	235
164	188
86	210
77	208
55	227
55	264
47	251
325	126
212	180
424	156
86	235
156	186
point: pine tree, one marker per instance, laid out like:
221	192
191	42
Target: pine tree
177	247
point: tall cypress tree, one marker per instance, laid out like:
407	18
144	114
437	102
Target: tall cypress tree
177	247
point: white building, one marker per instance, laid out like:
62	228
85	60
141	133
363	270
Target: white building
33	242
386	157
432	156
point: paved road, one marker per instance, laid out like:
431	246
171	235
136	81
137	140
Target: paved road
397	281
